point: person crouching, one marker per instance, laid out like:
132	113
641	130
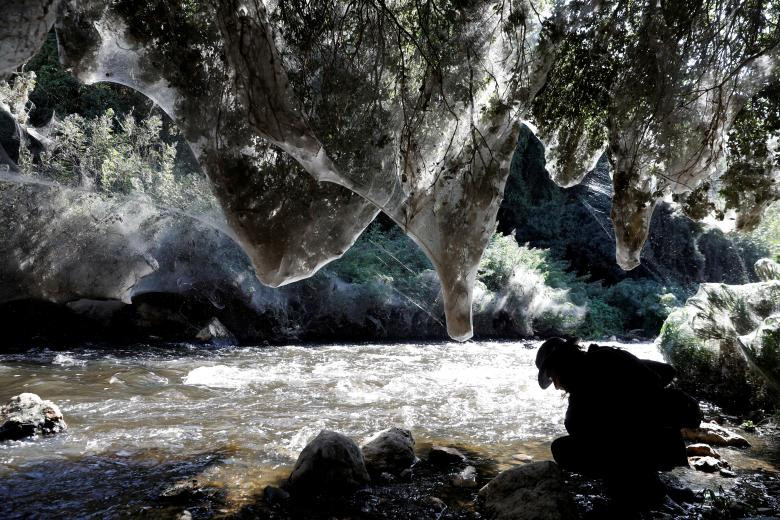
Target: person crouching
623	423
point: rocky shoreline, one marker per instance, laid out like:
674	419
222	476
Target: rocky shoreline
733	474
333	478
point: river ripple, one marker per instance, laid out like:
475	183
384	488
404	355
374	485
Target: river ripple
239	416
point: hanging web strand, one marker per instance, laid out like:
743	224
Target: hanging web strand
406	296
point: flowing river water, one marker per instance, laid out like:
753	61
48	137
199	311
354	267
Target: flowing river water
237	417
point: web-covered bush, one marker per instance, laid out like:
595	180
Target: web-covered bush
107	153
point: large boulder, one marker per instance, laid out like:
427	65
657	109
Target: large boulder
391	451
330	464
26	415
534	491
725	342
130	270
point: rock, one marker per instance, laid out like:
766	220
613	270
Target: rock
390	451
216	333
331	463
701	450
23	31
437	503
533	491
182	491
522	457
444	455
133	270
27	414
682	494
705	464
274	496
467	478
712	433
184	515
724	472
725	344
386	478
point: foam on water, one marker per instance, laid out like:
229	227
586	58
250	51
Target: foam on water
67	360
219	376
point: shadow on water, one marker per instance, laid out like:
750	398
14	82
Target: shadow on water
98	486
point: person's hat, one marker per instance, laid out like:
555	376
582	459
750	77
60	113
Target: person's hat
550	353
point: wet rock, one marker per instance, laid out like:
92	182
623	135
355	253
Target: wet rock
385	478
533	491
711	433
522	457
682	494
701	450
331	463
437	503
467	478
215	332
27	414
445	455
391	451
275	496
724	472
705	464
182	491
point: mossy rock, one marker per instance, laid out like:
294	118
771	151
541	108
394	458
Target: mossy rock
725	344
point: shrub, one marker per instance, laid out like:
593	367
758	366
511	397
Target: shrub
644	304
601	320
385	256
502	257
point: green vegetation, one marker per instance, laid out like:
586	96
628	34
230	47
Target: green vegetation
384	256
513	273
684	351
103	138
748	185
113	155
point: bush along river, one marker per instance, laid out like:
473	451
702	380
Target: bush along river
186	431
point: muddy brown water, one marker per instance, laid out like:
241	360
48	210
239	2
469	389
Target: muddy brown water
237	417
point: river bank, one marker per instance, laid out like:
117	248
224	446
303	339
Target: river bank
236	418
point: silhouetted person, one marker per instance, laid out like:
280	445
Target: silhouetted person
623	423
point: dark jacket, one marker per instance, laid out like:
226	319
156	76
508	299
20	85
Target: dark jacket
615	389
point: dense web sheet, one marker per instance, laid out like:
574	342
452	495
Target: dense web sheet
309	118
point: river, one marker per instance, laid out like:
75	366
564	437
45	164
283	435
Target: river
237	417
